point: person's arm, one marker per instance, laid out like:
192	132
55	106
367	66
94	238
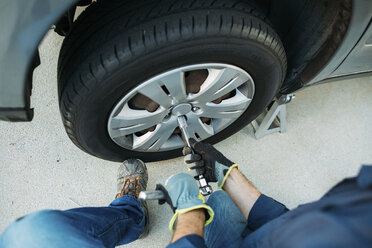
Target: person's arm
241	191
217	168
257	208
189	223
191	213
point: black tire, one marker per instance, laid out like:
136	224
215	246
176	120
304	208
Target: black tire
115	45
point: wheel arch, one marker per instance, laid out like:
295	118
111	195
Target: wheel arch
311	32
23	24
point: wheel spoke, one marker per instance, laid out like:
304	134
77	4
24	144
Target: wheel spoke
195	125
228	108
152	141
131	121
175	84
156	93
218	83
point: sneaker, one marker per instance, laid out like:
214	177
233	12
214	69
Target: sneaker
132	179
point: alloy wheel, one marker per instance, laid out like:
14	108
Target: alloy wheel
211	96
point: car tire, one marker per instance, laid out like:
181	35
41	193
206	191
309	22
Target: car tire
114	46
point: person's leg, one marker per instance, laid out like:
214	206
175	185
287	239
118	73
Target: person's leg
228	224
120	223
123	221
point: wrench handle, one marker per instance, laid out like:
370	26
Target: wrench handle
151	195
204	187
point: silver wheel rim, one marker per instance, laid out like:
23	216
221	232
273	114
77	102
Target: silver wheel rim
168	90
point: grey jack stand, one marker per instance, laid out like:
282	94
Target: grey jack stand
273	119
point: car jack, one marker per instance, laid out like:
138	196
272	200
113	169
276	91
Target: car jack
273	119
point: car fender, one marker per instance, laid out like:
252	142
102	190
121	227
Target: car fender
23	24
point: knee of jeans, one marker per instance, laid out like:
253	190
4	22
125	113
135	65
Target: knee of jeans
217	196
27	228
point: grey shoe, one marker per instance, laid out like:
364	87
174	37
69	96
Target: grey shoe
132	179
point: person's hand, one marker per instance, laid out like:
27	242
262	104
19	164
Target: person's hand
208	161
182	194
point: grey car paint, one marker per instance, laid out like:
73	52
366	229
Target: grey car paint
23	23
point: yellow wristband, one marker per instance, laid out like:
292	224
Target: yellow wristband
227	174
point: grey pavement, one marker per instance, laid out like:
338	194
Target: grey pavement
329	135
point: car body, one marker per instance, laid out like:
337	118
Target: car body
320	48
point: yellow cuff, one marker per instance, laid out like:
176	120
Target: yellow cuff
227	174
182	211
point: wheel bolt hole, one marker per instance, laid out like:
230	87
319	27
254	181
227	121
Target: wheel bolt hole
164	88
197	136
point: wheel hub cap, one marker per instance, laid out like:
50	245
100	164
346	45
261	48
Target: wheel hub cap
211	96
181	109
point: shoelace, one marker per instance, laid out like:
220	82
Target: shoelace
130	187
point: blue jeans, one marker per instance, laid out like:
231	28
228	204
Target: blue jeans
228	224
120	223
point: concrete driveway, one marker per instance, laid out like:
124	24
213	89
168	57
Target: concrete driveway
329	136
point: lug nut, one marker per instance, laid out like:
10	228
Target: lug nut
195	109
